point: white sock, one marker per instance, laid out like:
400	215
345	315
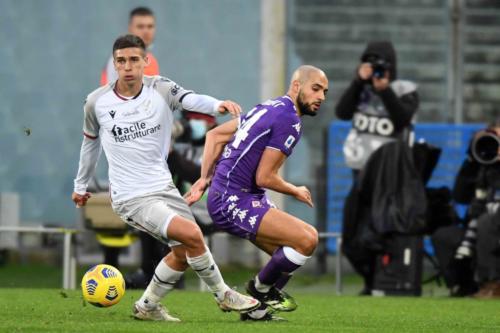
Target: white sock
161	284
261	288
207	270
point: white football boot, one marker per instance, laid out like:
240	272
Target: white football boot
234	301
158	313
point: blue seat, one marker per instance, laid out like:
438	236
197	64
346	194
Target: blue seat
452	139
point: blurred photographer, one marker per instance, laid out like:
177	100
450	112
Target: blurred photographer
475	255
381	108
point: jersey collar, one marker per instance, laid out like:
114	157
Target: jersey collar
126	98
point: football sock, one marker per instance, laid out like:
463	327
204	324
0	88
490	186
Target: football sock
283	280
284	260
207	270
161	284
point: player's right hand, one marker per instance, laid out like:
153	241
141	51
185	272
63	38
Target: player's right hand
303	194
196	191
80	199
231	107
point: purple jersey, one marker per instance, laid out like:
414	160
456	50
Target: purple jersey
273	124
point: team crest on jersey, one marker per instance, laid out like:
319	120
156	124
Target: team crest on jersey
256	204
112	114
175	90
297	127
289	141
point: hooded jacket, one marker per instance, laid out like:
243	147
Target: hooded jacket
378	117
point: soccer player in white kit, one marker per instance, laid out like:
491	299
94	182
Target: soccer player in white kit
131	119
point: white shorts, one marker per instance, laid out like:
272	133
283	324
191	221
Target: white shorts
153	212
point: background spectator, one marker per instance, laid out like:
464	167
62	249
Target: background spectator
381	108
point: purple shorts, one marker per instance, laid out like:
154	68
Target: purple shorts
236	212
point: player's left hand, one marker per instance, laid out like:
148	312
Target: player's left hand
196	191
229	106
303	194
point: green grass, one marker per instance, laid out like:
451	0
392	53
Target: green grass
24	307
50	310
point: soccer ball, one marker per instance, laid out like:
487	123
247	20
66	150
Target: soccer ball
103	285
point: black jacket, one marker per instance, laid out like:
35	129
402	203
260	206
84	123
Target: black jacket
388	198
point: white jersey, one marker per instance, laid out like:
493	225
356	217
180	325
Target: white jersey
135	135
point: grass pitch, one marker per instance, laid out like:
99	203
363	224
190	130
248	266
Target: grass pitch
52	310
30	304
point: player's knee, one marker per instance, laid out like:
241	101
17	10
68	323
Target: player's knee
309	241
182	261
194	237
177	258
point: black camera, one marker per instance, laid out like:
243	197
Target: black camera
379	66
485	147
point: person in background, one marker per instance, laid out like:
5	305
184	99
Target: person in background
469	255
141	23
381	108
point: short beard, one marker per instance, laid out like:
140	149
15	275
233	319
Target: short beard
305	109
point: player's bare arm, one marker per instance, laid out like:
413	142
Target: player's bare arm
215	141
267	176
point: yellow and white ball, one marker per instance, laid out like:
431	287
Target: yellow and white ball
103	285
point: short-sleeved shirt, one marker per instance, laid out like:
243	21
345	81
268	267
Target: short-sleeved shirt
135	134
273	124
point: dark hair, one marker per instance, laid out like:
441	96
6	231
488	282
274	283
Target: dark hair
140	11
127	41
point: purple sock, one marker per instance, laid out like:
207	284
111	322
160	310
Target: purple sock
283	280
275	268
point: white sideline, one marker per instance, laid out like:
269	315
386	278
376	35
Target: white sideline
69	260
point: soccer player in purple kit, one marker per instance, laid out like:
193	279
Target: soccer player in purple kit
241	159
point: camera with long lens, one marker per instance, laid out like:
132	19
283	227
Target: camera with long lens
379	66
485	148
